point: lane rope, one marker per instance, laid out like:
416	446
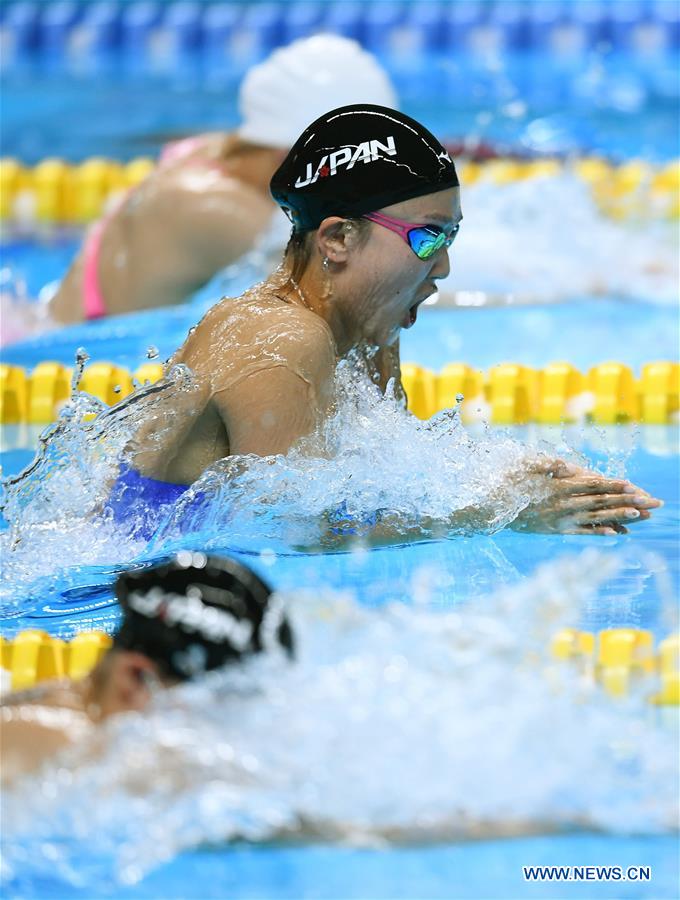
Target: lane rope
507	394
55	192
615	658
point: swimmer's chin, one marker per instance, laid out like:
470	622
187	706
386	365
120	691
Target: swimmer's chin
411	314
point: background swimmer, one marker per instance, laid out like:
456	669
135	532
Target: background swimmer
208	201
181	618
375	204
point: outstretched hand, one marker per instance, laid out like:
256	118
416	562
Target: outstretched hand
582	501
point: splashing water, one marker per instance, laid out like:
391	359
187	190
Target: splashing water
545	240
20	317
386	726
56	508
370	457
371	462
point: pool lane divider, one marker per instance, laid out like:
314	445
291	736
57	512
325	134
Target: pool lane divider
616	658
55	192
508	394
141	37
35	398
513	394
34	656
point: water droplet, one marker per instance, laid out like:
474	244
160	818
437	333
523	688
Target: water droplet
82	356
268	557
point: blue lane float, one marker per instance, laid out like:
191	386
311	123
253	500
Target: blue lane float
33	30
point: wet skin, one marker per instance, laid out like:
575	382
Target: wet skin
39	723
264	365
378	283
186	221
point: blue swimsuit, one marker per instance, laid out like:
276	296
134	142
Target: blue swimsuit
140	502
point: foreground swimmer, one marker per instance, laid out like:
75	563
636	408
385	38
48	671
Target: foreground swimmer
181	619
208	201
375	205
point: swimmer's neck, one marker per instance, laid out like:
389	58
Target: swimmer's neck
328	299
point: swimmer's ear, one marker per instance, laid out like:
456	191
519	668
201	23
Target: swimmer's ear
332	239
131	677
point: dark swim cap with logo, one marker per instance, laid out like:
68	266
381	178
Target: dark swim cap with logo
358	159
195	612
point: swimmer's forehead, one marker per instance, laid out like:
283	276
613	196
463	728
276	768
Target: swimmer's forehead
441	208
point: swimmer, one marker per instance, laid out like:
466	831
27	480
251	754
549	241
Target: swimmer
208	201
180	619
374	201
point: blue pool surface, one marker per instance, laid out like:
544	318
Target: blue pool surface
604	101
471	871
80	598
615	106
580	333
581	330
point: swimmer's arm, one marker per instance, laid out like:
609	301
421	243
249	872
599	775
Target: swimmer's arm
267	412
461	828
270	409
390	529
166	413
582	501
574	500
26	742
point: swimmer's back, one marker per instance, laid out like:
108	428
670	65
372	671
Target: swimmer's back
168	237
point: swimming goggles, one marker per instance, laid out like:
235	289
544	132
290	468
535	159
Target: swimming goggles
424	240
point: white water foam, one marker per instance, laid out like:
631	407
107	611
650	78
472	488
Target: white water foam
392	724
370	455
423	477
544	239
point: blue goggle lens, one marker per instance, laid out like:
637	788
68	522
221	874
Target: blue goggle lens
425	242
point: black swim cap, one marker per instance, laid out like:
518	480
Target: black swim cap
195	612
357	159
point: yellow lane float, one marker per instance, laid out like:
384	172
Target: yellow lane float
509	394
34	656
57	192
614	657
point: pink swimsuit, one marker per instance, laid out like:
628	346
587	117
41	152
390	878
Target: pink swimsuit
94	306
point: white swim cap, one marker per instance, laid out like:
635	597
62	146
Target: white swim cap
281	96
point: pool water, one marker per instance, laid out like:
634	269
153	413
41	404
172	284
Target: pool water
533	103
517	103
475	870
440	576
79	597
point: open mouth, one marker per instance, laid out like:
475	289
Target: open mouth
426	292
411	315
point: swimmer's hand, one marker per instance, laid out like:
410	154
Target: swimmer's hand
582	501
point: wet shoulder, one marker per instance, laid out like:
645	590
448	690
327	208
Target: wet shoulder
260	329
57	694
